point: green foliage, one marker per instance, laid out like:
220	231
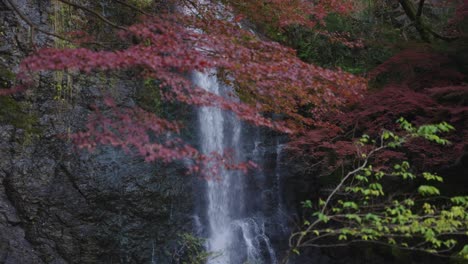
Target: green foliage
429	132
149	96
142	3
190	250
320	49
6	76
16	113
367	205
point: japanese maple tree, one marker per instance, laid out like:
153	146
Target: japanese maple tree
267	76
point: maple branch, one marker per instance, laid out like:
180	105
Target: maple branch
437	35
107	21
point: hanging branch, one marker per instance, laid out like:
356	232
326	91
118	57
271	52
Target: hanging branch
32	25
105	20
35	27
425	31
133	8
437	35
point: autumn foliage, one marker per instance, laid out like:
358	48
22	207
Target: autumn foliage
321	110
267	76
310	103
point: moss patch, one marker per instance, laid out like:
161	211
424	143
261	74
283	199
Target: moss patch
15	113
6	77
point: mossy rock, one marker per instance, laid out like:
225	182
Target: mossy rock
6	77
149	96
14	113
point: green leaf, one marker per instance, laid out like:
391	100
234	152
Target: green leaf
377	187
429	234
322	217
361	178
321	202
372	217
385	135
460	200
379	175
352	205
404	124
464	252
427	190
307	204
355	217
364	139
409	202
429	176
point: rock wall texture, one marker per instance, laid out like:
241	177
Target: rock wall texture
60	205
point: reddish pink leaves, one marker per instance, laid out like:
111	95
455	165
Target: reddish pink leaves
268	78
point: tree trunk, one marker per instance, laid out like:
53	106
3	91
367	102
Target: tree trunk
415	16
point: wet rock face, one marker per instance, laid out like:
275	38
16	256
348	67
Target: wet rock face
60	205
91	210
14	247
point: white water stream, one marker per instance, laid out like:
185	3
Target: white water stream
233	236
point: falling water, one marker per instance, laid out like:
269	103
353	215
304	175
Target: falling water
234	237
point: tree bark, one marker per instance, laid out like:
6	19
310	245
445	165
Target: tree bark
415	16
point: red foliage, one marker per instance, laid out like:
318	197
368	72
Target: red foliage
267	76
266	71
421	67
431	89
278	14
461	13
424	85
140	132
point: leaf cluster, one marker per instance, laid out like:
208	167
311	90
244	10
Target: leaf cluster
366	207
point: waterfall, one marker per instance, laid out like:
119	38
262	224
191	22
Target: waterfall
235	235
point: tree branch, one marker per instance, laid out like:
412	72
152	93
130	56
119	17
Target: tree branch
425	31
412	14
437	253
133	8
437	35
31	24
37	28
330	196
107	21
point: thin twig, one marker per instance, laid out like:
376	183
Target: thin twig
345	178
437	35
107	21
133	8
35	27
31	24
